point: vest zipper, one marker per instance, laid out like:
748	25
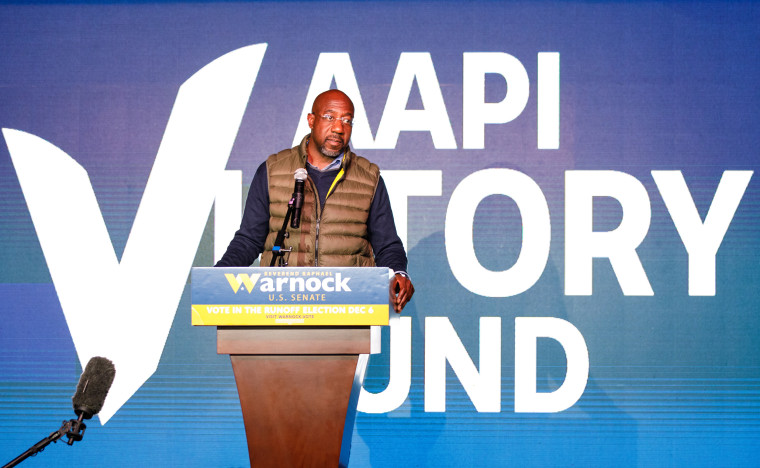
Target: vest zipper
316	242
319	218
321	209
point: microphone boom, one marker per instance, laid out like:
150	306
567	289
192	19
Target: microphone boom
93	386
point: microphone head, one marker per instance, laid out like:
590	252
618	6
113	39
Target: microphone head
300	174
93	387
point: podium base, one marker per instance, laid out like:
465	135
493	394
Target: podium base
295	389
294	407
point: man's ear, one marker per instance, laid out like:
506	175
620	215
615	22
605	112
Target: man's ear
310	119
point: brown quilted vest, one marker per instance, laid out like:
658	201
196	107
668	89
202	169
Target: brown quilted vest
335	235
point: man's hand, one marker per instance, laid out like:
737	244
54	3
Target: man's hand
401	291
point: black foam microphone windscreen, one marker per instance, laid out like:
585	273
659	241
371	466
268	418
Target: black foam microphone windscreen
93	387
300	175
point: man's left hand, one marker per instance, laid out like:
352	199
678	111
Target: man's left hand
401	291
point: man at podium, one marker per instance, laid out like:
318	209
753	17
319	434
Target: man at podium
345	219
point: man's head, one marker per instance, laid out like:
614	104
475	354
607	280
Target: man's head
330	122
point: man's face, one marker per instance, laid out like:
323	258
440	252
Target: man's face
330	137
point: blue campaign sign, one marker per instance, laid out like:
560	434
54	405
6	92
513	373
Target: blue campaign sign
263	285
290	296
573	183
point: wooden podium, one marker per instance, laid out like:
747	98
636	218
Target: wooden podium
294	386
295	381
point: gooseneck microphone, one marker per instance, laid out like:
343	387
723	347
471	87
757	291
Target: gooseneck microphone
92	389
300	175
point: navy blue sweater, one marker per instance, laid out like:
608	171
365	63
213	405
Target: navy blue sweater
249	240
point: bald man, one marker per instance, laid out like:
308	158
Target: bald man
346	219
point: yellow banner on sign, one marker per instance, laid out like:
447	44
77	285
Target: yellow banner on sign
290	314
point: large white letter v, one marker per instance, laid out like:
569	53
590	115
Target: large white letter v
124	311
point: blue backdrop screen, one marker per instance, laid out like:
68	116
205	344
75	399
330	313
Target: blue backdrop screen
571	178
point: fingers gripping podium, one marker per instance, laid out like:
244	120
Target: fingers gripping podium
294	336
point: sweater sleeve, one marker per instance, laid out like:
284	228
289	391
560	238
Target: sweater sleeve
389	251
249	240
